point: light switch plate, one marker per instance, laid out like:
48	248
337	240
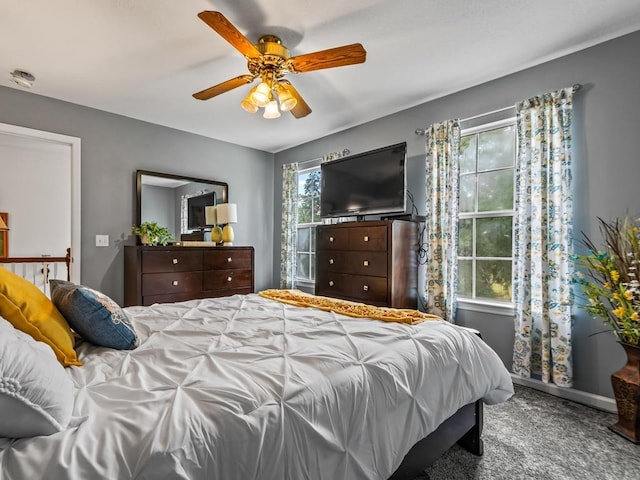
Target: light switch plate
102	240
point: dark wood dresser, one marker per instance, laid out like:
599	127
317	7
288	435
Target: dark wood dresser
371	262
175	274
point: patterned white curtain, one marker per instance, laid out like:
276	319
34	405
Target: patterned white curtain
442	192
543	239
289	240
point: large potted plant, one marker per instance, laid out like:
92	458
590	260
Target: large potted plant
610	280
151	233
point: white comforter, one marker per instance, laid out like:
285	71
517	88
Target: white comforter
248	388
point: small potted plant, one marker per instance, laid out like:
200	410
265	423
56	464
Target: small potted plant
151	233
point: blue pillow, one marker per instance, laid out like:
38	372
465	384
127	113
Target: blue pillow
93	315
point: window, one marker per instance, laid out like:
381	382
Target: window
308	218
485	226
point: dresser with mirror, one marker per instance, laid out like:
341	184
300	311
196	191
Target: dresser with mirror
159	274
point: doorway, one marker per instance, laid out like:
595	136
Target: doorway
40	190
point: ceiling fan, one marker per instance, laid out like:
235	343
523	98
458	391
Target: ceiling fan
269	61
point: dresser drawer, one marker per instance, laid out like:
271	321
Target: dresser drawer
230	259
361	288
160	261
357	263
363	238
169	283
368	238
332	238
219	279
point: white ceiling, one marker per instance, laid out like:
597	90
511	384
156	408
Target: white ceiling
145	58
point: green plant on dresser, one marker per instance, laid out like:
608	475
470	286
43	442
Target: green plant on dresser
151	233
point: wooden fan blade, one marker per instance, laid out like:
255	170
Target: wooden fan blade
333	57
223	87
301	109
229	32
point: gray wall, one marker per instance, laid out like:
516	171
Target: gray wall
160	205
606	173
114	147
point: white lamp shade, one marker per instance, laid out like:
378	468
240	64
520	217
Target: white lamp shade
227	213
210	216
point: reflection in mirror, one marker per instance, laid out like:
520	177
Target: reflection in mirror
176	202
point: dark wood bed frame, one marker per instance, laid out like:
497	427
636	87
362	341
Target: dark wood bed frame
464	428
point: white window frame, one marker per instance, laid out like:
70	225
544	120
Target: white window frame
307	282
496	307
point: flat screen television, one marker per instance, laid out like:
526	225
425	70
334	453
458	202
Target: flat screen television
373	182
195	210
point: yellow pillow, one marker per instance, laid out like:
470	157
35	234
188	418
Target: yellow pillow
29	310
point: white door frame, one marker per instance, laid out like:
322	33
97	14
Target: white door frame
74	144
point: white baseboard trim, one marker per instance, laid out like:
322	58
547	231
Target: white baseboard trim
590	399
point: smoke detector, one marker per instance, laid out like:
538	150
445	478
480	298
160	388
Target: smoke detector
22	78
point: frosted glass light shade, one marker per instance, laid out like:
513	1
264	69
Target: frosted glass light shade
271	110
287	101
248	106
227	213
260	96
247	103
210	216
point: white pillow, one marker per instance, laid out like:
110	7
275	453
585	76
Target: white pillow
36	394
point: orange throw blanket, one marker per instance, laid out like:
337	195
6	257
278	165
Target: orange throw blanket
345	307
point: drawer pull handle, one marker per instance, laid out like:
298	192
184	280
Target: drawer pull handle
331	239
331	261
174	283
365	263
175	261
365	288
366	238
229	279
331	283
229	260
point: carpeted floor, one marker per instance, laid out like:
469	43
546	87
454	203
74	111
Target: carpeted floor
538	436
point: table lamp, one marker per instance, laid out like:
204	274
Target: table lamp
211	219
227	213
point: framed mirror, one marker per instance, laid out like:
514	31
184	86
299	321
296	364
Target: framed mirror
177	202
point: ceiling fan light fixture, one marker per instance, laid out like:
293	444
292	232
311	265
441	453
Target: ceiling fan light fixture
269	60
287	101
271	110
261	95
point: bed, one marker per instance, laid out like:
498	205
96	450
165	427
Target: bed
246	387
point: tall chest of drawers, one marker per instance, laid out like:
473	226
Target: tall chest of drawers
372	262
174	273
